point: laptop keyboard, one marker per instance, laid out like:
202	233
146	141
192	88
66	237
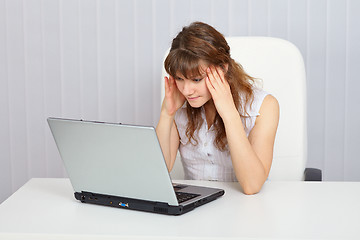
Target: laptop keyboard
182	197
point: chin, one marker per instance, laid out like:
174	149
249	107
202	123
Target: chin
195	105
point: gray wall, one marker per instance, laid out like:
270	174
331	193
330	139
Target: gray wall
102	60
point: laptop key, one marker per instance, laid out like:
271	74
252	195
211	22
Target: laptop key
182	196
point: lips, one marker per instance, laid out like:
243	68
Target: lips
192	98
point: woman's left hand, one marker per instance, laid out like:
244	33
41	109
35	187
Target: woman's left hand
220	91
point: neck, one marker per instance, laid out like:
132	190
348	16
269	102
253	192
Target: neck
210	112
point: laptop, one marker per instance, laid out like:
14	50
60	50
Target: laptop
122	166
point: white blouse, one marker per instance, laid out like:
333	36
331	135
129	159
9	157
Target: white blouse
204	161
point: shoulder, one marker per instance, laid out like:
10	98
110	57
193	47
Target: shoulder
272	100
270	103
253	107
265	107
267	121
269	110
259	96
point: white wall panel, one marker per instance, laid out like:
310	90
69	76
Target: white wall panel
17	93
52	81
352	98
220	16
259	18
335	89
239	17
5	157
126	60
278	19
107	60
297	25
181	14
316	79
34	87
201	10
70	58
89	78
144	62
161	42
101	60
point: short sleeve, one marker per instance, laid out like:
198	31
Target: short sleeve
259	96
254	109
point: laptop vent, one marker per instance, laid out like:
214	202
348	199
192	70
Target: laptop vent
160	210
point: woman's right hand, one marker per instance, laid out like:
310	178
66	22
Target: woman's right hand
173	97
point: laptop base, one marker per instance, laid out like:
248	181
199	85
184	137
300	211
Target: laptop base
130	203
141	205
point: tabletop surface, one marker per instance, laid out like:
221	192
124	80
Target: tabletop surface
46	209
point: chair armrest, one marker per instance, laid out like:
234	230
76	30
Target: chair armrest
312	174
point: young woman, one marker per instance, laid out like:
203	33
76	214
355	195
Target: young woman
222	124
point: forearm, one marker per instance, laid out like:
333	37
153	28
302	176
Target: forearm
163	131
249	170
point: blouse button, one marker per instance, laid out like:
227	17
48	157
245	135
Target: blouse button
205	144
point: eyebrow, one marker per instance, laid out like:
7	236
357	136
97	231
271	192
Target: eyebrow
192	78
199	77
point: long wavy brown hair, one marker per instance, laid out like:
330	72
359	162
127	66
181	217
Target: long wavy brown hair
200	41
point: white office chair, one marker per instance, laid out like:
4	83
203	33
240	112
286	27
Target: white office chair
280	66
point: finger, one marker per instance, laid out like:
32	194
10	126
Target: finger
217	74
220	73
210	86
209	83
167	87
172	83
212	78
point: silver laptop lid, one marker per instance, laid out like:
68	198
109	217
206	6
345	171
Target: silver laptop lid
113	159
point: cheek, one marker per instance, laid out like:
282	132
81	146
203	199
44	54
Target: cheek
180	85
205	89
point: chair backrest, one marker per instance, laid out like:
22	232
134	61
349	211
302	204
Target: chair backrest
280	67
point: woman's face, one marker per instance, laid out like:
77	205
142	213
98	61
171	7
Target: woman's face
194	90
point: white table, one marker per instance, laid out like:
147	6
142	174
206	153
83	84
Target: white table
47	209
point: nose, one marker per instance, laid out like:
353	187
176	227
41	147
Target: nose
188	89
